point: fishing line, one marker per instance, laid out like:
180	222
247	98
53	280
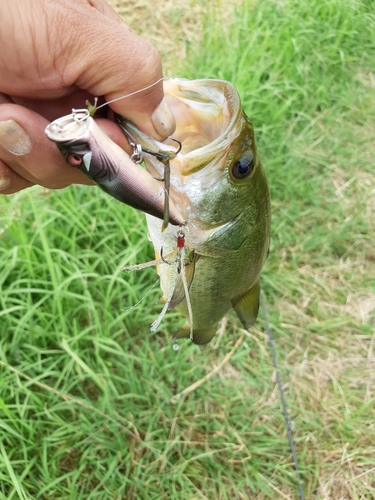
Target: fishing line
144	296
282	398
131	93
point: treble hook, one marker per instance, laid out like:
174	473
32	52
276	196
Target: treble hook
163	156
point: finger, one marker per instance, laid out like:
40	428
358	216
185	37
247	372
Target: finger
108	59
30	156
97	53
104	9
10	181
4	98
27	157
55	108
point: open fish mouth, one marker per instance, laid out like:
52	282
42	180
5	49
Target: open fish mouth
207	114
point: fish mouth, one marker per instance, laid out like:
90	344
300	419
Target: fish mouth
207	114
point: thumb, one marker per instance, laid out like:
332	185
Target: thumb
106	58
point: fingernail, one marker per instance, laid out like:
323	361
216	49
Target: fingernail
14	138
4	182
163	119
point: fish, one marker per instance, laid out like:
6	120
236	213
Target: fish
212	263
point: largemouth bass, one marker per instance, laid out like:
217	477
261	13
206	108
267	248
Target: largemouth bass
218	185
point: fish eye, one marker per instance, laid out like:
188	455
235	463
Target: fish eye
242	168
74	160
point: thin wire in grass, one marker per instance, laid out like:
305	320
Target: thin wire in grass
282	398
142	298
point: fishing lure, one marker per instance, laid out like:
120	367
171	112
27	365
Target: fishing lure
86	147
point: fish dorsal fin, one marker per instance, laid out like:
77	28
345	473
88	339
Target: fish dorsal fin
179	290
247	306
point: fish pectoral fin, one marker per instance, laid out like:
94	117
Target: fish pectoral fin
247	306
200	337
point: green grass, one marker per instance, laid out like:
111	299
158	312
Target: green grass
86	408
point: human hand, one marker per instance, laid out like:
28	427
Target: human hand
54	56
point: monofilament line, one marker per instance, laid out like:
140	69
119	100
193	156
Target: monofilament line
282	398
131	93
144	296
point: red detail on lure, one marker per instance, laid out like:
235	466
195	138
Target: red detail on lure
74	160
180	242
